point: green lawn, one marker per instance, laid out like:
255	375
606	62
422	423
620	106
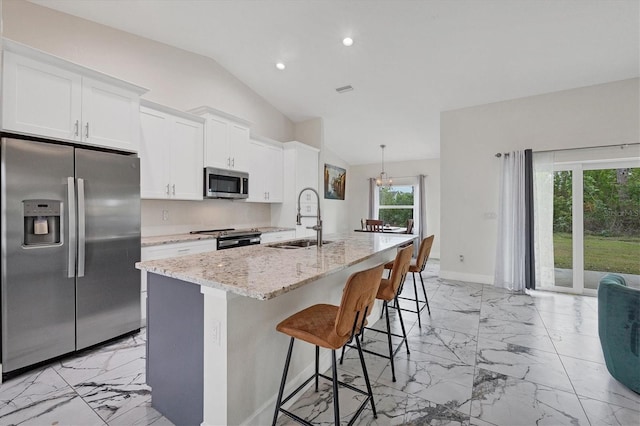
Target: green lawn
606	254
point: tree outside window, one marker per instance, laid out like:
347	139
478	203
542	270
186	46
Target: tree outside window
396	204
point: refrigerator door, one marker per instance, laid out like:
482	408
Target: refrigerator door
108	285
38	286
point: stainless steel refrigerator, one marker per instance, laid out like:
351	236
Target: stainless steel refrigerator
70	233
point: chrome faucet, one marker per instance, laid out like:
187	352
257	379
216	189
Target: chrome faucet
318	226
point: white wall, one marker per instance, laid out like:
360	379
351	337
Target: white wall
604	114
358	192
176	78
334	212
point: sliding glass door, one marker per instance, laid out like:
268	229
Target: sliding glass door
596	224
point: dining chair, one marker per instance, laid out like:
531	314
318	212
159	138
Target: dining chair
374	225
409	226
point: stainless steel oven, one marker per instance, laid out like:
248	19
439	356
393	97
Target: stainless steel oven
231	238
221	183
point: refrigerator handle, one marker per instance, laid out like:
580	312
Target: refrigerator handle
81	228
71	206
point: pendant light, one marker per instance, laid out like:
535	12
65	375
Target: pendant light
383	180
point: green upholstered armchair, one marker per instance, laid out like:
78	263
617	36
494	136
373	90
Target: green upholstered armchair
619	329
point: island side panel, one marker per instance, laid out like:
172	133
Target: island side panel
175	348
256	351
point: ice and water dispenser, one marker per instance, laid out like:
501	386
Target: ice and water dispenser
41	222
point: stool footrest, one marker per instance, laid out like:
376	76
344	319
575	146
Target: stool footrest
324	376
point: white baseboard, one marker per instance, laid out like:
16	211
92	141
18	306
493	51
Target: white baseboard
471	278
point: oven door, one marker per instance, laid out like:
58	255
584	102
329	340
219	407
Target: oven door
226	243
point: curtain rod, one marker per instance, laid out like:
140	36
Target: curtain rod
621	145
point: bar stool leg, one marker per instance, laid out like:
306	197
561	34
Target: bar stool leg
415	292
283	382
425	293
404	333
393	370
366	378
317	365
336	404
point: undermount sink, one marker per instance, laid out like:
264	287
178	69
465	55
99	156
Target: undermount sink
295	244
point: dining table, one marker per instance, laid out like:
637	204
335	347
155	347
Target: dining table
387	229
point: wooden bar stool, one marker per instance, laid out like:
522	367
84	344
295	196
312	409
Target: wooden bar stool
417	266
332	327
388	291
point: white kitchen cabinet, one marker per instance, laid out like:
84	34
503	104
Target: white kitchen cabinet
170	153
265	172
227	140
165	251
272	237
300	171
50	97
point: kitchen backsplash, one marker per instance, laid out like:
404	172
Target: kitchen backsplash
165	217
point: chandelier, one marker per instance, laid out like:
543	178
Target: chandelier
383	180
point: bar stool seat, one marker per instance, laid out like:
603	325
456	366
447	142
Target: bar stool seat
418	266
332	327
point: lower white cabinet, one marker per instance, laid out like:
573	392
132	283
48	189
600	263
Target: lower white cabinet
165	251
272	237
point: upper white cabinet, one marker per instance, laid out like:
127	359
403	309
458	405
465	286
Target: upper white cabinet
227	140
265	172
47	96
170	153
300	171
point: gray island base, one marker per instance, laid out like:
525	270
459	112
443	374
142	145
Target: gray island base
213	354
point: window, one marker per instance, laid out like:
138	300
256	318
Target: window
396	204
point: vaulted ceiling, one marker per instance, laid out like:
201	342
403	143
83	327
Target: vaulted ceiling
410	59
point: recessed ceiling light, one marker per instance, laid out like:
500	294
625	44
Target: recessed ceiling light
347	41
280	66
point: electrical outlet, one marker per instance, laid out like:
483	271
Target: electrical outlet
215	333
461	258
165	214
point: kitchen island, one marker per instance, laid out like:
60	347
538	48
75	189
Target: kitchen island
213	354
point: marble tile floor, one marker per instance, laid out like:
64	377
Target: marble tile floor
102	386
483	357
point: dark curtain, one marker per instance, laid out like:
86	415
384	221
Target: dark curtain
529	262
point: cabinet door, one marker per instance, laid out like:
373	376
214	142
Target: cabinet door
256	168
40	99
216	152
154	154
274	180
110	116
239	146
187	170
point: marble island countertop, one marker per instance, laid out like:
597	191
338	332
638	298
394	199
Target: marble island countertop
184	238
264	272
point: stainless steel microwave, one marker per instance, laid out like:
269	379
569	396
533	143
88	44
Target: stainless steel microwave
221	183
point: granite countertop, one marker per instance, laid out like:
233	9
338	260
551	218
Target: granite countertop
184	238
263	272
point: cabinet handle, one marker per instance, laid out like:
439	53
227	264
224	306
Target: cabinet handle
77	127
167	189
228	161
86	130
184	250
268	195
174	189
233	162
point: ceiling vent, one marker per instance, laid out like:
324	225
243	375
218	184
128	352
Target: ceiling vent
344	89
